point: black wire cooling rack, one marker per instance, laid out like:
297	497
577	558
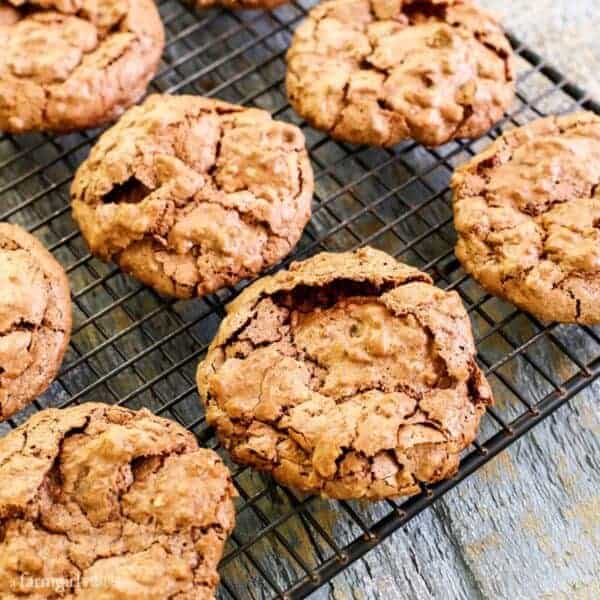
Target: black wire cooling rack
134	348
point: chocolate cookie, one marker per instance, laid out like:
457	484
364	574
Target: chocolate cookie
72	64
380	71
189	194
350	375
527	214
35	318
103	502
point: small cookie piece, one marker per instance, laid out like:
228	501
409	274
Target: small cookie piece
242	4
527	214
190	194
379	71
98	501
349	375
74	64
35	318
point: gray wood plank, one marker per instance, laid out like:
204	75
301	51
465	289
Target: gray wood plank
527	526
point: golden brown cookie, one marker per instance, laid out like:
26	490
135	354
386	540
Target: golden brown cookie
102	502
189	194
349	375
35	318
73	64
379	71
527	214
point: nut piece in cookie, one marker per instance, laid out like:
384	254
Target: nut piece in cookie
527	214
103	502
378	71
35	318
74	64
189	194
349	375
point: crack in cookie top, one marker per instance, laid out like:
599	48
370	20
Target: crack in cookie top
102	502
380	71
35	318
349	375
527	213
190	194
74	64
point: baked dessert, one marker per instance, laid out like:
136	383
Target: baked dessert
349	375
242	4
73	64
102	502
527	214
190	194
379	71
35	318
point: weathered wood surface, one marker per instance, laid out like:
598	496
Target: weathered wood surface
527	526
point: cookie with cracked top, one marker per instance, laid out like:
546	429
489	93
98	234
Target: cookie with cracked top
98	501
379	71
74	64
527	214
349	375
190	194
35	318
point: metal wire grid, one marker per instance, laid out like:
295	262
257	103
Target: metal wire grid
134	348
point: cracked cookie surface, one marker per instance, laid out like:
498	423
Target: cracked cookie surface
35	318
527	214
73	64
99	501
349	375
380	71
190	194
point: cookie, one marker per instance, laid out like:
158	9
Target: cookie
349	375
242	4
527	214
103	502
35	318
72	64
189	194
379	71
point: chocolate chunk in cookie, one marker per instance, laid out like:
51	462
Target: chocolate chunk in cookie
350	375
189	194
35	318
527	214
102	502
73	64
379	71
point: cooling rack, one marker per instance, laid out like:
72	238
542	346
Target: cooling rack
134	348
